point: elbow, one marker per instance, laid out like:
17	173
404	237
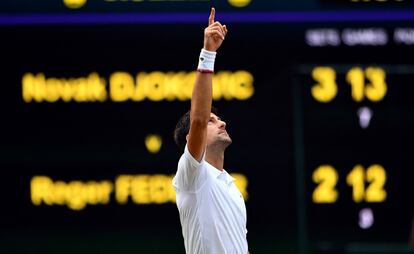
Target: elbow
198	121
199	117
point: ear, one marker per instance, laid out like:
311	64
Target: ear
186	138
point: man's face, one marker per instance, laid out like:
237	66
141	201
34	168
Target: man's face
216	131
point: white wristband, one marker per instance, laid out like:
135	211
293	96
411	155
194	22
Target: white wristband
206	61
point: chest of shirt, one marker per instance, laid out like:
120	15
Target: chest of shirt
224	195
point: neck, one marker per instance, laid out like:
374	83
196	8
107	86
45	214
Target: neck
215	157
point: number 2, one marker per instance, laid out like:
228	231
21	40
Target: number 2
326	177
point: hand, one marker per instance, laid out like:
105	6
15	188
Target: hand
214	34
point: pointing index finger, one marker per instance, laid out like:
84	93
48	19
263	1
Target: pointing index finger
212	15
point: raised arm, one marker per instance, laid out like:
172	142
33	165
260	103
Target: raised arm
201	99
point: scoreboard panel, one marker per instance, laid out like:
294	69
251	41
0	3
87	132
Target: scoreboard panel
355	151
320	116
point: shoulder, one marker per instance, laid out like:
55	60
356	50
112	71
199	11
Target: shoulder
191	174
187	160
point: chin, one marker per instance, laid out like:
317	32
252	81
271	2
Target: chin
224	139
227	140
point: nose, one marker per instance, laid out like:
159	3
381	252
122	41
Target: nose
222	124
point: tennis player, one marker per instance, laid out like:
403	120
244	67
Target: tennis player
212	210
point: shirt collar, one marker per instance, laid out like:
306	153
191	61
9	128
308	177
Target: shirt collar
223	175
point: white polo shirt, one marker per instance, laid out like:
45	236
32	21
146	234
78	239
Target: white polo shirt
212	209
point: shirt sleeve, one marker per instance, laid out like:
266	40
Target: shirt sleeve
190	174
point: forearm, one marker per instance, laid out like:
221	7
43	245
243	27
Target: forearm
201	98
202	93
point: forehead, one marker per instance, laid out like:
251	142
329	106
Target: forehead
213	115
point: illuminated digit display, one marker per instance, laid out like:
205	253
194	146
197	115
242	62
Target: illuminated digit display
326	89
326	178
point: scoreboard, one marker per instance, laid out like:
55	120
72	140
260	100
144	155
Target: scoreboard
320	112
354	125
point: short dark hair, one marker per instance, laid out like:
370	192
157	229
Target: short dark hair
183	127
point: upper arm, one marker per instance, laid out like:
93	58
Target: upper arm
197	139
